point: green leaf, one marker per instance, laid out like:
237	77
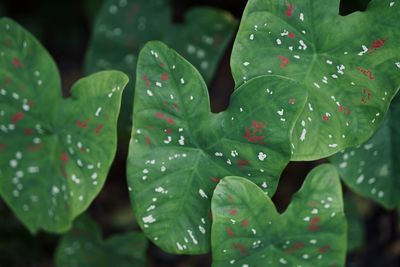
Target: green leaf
124	26
349	65
84	246
54	153
372	170
179	149
248	231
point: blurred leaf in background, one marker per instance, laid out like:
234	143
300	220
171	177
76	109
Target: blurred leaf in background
16	240
372	170
84	246
91	9
123	26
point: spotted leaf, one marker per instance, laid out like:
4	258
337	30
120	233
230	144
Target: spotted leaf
248	231
124	26
349	65
372	170
84	246
54	153
179	149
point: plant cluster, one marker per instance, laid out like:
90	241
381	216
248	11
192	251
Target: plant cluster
309	84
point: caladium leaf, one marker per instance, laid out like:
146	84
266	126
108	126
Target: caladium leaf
84	246
349	65
124	26
179	149
248	231
54	153
372	170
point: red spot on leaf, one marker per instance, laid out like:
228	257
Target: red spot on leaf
314	224
64	157
242	163
17	63
325	117
366	95
252	137
162	65
159	115
230	232
289	9
215	179
291	35
251	134
146	79
379	43
147	140
241	248
17	117
233	212
324	249
257	126
3	147
98	128
367	73
294	248
27	131
284	61
245	223
81	124
175	107
164	76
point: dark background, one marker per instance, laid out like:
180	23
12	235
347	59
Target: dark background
64	27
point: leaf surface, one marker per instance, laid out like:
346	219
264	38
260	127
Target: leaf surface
84	246
248	231
349	65
372	169
179	150
55	153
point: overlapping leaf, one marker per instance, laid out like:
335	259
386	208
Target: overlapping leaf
54	153
248	231
350	65
179	149
372	170
124	26
84	246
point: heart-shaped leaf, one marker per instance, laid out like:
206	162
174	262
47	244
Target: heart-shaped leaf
84	246
54	153
248	231
124	26
179	149
350	65
372	170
